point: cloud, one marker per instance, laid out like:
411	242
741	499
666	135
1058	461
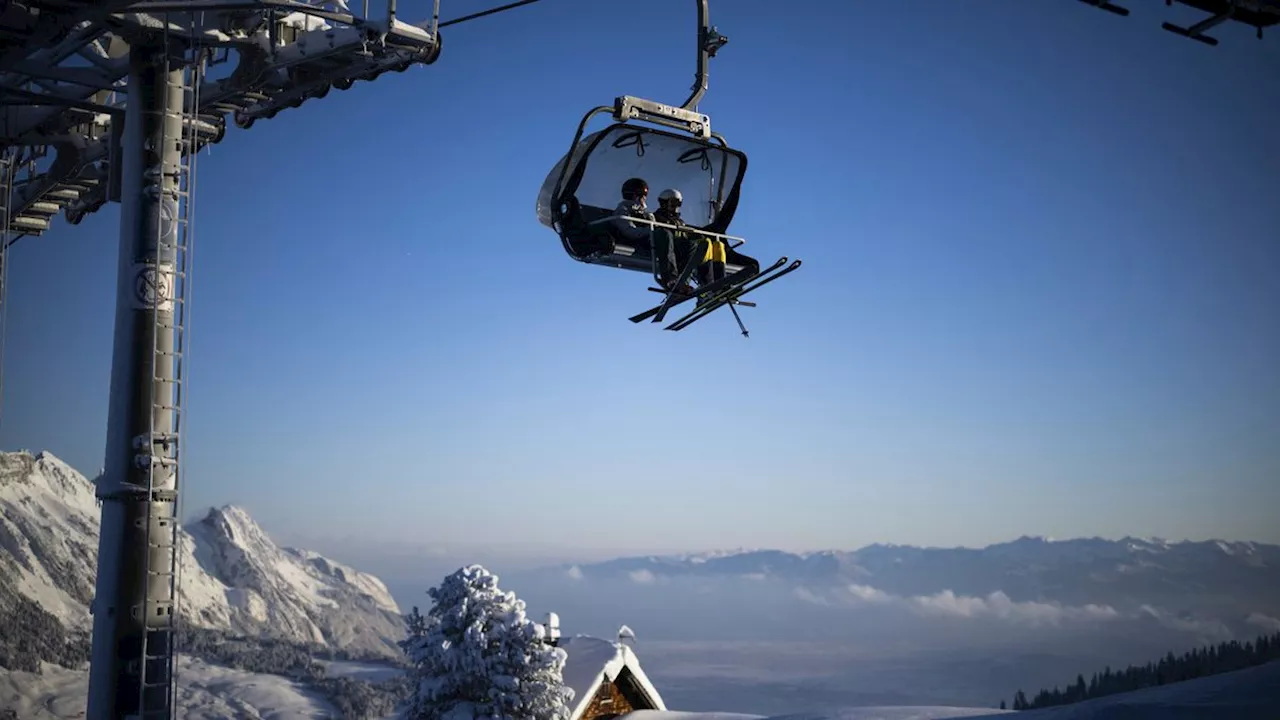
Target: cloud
574	573
1000	605
866	593
809	596
948	604
1208	630
642	577
1266	622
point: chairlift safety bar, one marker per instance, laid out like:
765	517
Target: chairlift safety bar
731	239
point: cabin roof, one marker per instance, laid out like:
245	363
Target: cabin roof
591	661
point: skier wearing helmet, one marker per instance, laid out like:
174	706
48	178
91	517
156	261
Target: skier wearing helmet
711	264
675	253
635	192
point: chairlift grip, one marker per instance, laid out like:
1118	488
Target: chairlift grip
709	41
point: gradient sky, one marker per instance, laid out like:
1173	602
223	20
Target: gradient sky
1041	291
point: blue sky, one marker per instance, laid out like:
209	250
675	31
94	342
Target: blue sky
1041	292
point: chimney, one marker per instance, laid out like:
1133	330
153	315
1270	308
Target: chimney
625	633
553	629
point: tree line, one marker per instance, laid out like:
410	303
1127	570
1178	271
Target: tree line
1199	662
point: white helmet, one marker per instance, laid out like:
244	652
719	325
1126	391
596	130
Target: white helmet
666	196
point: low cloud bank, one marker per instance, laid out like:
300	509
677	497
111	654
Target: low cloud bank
948	604
1266	622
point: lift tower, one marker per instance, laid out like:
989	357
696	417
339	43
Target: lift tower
110	101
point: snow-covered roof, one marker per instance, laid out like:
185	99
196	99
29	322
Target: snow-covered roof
592	661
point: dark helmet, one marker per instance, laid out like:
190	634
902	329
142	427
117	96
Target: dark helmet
634	188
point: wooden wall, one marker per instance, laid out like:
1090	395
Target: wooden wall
608	702
612	699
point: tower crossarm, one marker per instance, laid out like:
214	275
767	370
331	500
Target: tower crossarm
66	99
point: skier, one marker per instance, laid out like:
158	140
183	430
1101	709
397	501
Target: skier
635	192
711	264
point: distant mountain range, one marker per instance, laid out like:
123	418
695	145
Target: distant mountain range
233	577
1214	577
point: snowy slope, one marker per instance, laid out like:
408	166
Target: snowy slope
233	577
204	692
48	534
245	581
1249	694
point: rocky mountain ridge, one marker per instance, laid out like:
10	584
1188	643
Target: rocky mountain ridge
233	577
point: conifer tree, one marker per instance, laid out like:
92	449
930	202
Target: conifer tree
476	656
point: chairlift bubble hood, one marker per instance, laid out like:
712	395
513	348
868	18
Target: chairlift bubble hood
708	174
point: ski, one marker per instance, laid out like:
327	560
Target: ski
714	287
743	303
727	296
700	250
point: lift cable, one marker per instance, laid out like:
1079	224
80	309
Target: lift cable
484	13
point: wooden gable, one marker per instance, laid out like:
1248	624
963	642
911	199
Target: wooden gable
613	699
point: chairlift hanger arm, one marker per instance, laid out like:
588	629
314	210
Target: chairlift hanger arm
686	117
709	41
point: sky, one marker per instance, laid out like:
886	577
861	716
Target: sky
1040	292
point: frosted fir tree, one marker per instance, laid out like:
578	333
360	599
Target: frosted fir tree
476	656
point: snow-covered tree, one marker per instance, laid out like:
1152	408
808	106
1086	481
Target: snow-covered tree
477	656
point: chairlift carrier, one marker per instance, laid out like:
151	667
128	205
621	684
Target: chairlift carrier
581	191
578	197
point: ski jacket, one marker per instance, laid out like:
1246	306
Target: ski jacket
629	230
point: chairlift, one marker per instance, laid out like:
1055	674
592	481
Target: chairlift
578	197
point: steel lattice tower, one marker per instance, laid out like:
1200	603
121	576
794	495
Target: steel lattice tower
110	101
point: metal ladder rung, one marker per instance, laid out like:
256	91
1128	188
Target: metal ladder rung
141	441
155	685
144	461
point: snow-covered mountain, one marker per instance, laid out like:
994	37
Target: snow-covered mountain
233	577
1215	576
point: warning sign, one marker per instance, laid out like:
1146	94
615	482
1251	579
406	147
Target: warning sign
153	286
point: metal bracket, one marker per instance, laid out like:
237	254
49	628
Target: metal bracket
695	123
712	41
